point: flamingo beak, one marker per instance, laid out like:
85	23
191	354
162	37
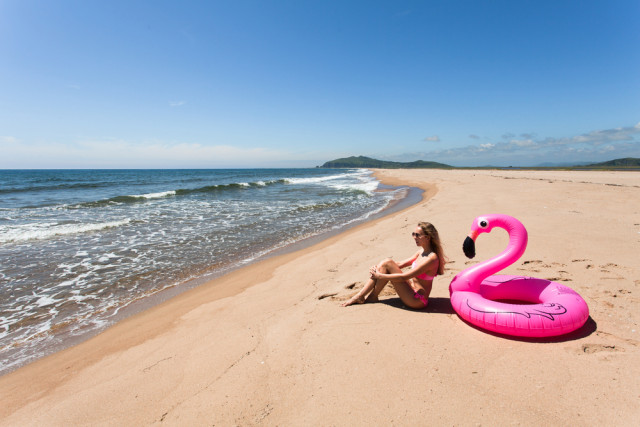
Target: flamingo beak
469	245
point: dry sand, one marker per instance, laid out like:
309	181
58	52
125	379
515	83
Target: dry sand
270	345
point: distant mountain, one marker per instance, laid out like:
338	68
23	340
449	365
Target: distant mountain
626	162
367	162
561	165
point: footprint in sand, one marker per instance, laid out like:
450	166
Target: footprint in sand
537	262
559	279
596	348
607	335
588	266
610	265
531	264
614	277
336	295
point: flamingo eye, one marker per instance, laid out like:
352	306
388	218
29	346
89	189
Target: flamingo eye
483	223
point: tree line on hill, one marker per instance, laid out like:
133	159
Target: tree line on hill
367	162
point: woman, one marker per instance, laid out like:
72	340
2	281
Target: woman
412	286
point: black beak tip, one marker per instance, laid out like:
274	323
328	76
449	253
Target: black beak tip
469	247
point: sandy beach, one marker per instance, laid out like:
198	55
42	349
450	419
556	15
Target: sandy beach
269	344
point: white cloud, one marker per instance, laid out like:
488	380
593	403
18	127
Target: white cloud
434	138
9	140
528	150
523	142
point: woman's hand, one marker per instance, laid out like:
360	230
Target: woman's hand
374	272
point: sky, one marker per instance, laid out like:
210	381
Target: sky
296	83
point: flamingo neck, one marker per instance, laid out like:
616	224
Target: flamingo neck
472	277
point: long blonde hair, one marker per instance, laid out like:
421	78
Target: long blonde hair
436	245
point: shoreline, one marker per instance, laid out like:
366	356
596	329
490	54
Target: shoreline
154	318
411	196
282	351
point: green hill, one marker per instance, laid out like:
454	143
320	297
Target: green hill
626	162
629	163
367	162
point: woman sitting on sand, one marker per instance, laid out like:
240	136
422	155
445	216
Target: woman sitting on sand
412	286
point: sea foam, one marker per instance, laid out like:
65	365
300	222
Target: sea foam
43	231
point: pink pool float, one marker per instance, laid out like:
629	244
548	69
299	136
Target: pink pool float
486	300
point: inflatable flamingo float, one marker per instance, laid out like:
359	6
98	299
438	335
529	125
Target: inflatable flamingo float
548	308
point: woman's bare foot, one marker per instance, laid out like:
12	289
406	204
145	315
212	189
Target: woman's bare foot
371	298
354	300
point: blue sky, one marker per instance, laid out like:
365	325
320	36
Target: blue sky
168	84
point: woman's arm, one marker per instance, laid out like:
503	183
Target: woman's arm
405	275
407	262
423	265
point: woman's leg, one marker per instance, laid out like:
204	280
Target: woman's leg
359	298
402	288
407	295
386	266
372	285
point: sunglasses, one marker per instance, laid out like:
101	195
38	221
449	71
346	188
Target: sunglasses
416	235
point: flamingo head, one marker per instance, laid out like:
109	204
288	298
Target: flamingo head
482	224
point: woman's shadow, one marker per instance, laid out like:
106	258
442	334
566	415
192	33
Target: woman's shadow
441	305
436	305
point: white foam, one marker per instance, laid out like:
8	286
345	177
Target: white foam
155	195
45	300
317	179
107	257
43	231
367	187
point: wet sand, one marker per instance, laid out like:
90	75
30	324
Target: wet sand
269	344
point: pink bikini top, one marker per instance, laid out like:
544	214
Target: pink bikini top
423	276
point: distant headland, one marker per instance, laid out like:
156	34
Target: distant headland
628	163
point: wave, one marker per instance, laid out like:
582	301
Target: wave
363	187
338	181
318	179
56	187
141	198
366	184
230	186
43	231
155	195
320	206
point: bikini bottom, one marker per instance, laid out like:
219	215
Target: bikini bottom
422	298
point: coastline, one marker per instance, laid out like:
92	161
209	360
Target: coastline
20	353
269	343
145	320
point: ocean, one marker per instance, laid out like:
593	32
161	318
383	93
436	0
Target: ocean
78	248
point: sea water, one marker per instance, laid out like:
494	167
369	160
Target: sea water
77	247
